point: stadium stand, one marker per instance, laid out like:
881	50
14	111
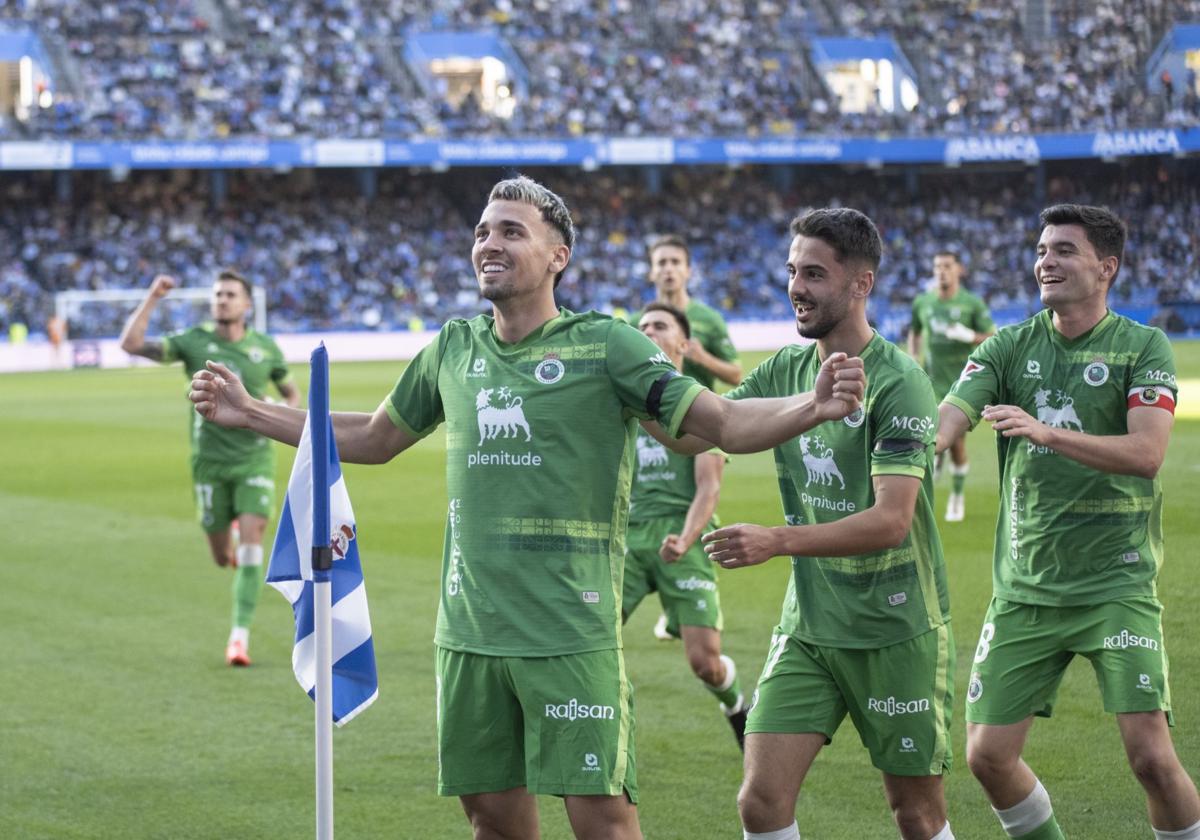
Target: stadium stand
331	260
192	69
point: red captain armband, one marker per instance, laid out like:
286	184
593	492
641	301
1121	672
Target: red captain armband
1154	396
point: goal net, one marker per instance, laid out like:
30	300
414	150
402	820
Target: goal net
100	313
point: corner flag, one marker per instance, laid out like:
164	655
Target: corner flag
317	514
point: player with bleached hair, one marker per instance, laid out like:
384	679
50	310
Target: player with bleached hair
540	406
1083	401
233	470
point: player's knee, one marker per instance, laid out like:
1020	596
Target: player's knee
1154	766
988	764
757	808
706	666
918	819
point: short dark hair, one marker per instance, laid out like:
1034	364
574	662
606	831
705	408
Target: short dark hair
849	232
1103	228
669	240
674	311
235	276
946	252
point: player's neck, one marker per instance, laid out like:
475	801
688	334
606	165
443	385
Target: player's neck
231	331
678	298
851	337
516	318
1073	321
947	294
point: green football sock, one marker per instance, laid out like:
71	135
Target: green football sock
729	691
247	584
958	479
1048	830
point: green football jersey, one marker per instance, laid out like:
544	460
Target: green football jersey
664	482
944	357
539	457
1069	535
256	359
869	600
708	328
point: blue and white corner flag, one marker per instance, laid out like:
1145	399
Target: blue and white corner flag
355	685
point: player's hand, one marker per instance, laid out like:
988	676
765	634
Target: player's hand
840	386
162	284
673	547
960	332
694	350
1013	421
220	397
740	545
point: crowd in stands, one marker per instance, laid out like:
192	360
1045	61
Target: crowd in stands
202	69
329	259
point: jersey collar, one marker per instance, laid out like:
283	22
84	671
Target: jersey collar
1101	327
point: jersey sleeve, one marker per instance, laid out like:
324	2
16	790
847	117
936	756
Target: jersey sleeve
175	346
280	374
415	404
719	343
646	381
755	384
979	383
981	319
1152	380
903	425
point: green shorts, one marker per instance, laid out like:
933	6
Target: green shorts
225	491
687	588
1024	650
899	697
560	725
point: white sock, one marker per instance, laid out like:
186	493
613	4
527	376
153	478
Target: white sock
249	555
730	673
944	834
792	832
1028	814
1192	832
240	634
955	469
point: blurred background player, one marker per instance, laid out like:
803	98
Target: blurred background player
710	355
233	470
672	501
948	322
1083	401
865	627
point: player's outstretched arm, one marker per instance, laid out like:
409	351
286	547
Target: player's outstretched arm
883	525
953	423
133	334
220	397
708	470
1140	451
752	425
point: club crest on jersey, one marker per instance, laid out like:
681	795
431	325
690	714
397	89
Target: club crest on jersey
507	418
819	463
855	418
549	370
255	354
1096	374
974	688
1061	416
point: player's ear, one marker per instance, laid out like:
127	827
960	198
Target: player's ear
863	282
559	257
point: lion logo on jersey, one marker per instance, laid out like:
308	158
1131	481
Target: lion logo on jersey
1062	417
508	417
651	453
819	463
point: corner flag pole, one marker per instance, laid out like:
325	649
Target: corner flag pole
322	563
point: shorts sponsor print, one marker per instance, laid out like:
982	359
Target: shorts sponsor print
899	697
225	491
560	725
686	588
1024	650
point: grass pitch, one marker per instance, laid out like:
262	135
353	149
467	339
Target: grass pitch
118	717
